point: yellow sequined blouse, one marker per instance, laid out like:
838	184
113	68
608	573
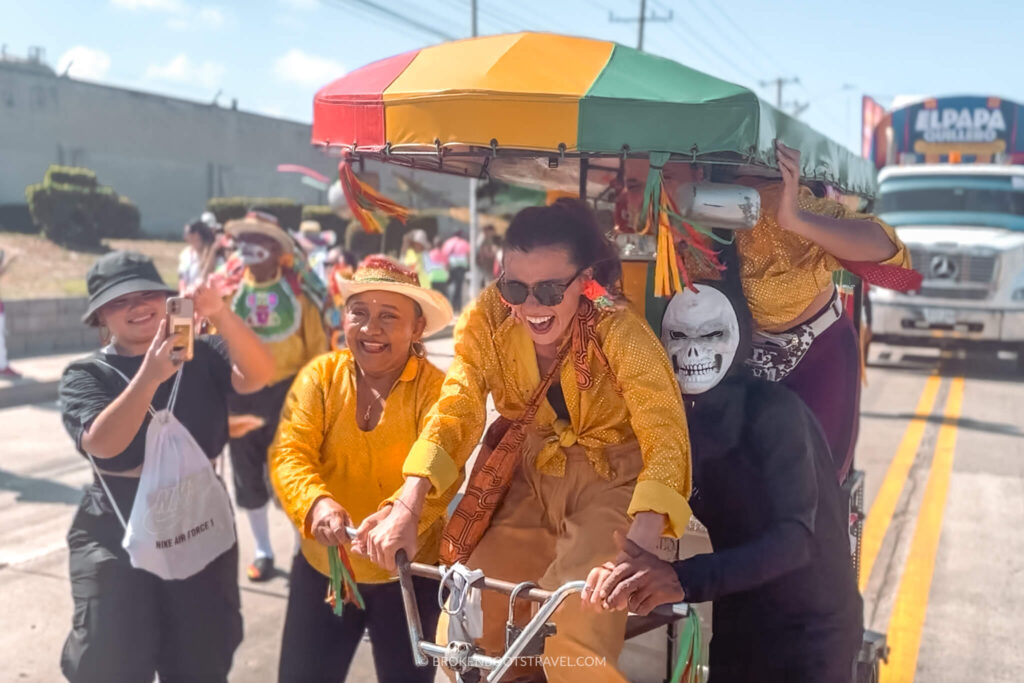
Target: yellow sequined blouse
494	355
781	271
321	451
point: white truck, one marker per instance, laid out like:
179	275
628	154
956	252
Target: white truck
964	227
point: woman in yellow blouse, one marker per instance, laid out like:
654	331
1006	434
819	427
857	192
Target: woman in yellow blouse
787	262
607	449
348	423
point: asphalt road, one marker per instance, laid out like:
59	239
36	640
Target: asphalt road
942	445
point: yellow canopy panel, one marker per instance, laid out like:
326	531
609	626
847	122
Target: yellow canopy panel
534	82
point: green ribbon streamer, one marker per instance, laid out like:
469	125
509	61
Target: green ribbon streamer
691	652
340	579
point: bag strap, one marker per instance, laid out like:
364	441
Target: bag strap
152	412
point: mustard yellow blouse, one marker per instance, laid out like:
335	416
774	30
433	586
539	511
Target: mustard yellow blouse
782	272
320	451
494	355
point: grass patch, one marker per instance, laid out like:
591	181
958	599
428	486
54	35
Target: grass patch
44	270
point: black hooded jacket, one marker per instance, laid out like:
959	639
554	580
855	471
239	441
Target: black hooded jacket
765	488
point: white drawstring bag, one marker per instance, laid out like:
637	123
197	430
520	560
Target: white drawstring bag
181	519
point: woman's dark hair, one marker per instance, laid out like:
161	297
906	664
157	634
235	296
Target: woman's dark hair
570	224
203	230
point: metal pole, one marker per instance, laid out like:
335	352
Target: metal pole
474	278
643	15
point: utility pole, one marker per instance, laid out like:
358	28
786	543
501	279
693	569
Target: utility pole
641	20
780	83
474	278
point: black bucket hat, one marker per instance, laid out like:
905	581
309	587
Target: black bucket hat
119	273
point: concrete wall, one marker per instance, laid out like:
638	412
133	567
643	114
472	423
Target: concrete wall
37	327
167	155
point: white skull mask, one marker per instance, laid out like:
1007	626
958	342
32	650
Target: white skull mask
700	333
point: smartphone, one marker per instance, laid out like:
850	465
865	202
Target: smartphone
180	322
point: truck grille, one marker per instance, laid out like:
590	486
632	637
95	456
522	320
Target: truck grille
954	293
953	267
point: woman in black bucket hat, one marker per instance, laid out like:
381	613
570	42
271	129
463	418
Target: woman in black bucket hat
128	624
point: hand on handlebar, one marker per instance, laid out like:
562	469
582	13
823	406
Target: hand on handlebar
639	583
384	533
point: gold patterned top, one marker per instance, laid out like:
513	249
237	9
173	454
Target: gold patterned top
494	355
321	451
782	272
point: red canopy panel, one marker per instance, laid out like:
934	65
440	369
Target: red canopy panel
351	109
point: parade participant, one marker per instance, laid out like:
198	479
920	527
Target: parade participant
272	302
6	370
347	426
193	260
786	266
591	419
437	266
415	244
457	249
786	606
128	624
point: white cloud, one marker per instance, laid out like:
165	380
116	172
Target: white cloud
181	69
301	68
154	5
84	63
210	17
302	4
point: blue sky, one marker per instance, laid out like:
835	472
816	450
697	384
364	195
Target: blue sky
272	55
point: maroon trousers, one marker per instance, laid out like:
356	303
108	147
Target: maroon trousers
828	380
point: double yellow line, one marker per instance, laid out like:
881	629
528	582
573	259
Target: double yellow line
907	622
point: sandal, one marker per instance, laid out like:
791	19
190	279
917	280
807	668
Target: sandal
261	569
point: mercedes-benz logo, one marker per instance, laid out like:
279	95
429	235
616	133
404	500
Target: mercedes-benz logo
943	267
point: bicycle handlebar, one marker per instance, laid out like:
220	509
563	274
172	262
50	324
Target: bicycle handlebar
550	601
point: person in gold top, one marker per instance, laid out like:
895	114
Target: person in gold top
786	267
273	305
605	446
348	423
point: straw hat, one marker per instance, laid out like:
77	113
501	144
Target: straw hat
260	223
379	273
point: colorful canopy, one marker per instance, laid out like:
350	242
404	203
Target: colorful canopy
470	106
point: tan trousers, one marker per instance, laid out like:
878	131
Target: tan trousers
551	530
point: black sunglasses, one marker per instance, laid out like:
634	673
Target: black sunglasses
547	293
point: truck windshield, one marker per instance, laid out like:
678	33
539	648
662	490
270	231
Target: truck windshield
968	194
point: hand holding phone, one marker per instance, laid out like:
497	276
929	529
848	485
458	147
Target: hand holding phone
181	324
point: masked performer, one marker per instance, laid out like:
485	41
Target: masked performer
271	300
603	444
801	338
786	606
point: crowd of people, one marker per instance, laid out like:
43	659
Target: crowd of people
608	438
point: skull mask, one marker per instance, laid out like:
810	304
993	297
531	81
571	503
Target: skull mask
700	332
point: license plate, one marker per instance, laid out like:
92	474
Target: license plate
940	316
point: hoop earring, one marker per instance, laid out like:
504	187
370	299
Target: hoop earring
418	349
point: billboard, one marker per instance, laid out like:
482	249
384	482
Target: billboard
961	129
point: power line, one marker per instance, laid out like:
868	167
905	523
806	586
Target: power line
714	50
750	42
396	16
641	20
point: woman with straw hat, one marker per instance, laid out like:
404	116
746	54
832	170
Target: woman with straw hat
348	423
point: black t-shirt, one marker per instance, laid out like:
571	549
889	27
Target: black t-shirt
88	387
765	488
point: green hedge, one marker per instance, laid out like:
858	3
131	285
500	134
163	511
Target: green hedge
71	175
80	211
288	212
328	219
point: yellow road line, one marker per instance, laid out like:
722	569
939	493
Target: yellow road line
884	505
912	599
